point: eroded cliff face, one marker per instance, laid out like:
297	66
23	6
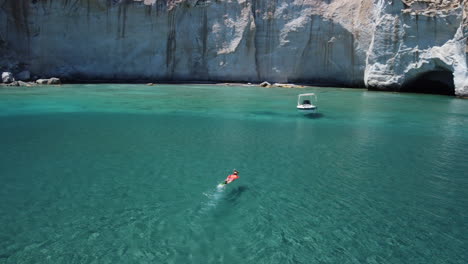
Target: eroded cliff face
418	46
384	44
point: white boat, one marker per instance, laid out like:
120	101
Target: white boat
304	104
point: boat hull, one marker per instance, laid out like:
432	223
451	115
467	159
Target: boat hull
307	110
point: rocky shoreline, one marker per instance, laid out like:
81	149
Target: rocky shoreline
24	79
401	46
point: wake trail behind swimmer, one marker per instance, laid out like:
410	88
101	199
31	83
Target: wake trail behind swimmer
216	195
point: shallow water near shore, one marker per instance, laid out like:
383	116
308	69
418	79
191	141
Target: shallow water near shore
129	174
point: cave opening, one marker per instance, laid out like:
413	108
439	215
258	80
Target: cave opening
433	82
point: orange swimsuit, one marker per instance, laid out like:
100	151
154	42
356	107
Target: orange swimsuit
231	178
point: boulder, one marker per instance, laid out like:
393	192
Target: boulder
42	81
23	76
54	81
284	85
21	83
7	77
14	83
265	84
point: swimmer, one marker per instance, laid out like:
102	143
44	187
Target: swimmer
234	176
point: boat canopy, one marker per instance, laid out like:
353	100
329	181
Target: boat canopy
305	95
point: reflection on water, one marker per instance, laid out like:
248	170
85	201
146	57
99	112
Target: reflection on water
292	115
314	115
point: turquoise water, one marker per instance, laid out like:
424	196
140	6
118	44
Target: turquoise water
128	174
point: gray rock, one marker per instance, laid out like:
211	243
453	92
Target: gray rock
42	81
265	84
23	76
285	85
54	81
7	77
14	83
21	83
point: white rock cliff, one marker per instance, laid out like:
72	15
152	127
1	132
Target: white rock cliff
383	44
416	40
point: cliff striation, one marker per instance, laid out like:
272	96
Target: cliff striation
383	44
418	46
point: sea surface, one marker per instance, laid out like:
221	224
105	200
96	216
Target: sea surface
129	174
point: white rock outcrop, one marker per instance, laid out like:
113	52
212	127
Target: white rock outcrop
414	44
384	44
54	81
7	77
42	81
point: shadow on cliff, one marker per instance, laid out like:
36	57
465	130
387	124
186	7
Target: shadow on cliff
434	82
